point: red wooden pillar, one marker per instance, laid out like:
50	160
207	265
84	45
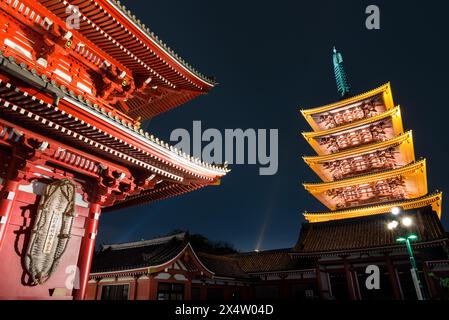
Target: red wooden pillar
203	292
92	290
8	195
393	279
136	287
87	249
152	287
99	289
284	292
433	291
143	287
97	285
188	290
350	280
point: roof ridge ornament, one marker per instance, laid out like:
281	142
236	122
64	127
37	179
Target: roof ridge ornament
341	79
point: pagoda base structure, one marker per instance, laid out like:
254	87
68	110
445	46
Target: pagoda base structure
346	251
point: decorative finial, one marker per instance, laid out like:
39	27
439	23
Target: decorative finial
343	85
137	122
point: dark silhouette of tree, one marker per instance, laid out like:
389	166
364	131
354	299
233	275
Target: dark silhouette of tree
201	243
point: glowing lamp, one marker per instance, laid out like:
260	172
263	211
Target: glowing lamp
395	211
407	222
393	225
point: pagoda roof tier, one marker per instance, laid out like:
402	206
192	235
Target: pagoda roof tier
382	127
407	182
372	103
434	200
389	154
367	234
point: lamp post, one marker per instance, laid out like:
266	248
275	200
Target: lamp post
418	285
407	222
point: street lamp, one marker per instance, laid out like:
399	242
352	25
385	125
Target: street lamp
393	225
407	222
395	211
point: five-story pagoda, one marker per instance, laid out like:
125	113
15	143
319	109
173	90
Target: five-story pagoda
365	158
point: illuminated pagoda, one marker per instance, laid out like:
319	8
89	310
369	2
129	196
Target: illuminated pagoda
77	77
367	165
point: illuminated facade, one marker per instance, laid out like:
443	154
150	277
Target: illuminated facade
77	78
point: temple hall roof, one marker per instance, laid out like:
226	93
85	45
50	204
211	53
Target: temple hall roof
159	253
223	266
140	254
270	261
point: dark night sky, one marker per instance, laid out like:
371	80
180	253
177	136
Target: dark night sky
271	59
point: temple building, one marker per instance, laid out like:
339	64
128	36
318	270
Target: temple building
171	268
77	78
366	162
